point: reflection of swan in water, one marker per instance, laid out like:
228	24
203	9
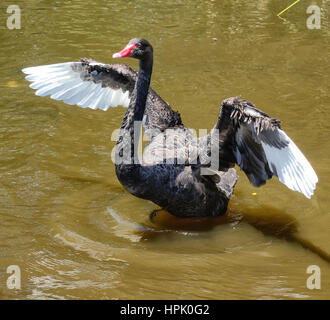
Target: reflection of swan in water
242	135
267	219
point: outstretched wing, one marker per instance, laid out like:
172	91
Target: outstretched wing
262	149
90	84
87	83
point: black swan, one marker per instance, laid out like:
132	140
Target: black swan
175	171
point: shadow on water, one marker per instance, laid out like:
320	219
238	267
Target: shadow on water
267	219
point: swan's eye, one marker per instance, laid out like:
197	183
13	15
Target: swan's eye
138	45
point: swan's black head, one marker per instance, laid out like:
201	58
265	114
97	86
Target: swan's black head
137	48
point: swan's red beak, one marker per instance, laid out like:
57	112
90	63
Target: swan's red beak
126	52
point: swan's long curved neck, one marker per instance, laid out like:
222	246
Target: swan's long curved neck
128	140
142	88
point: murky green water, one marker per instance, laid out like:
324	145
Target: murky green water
57	181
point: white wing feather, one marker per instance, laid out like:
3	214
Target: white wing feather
291	167
61	82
